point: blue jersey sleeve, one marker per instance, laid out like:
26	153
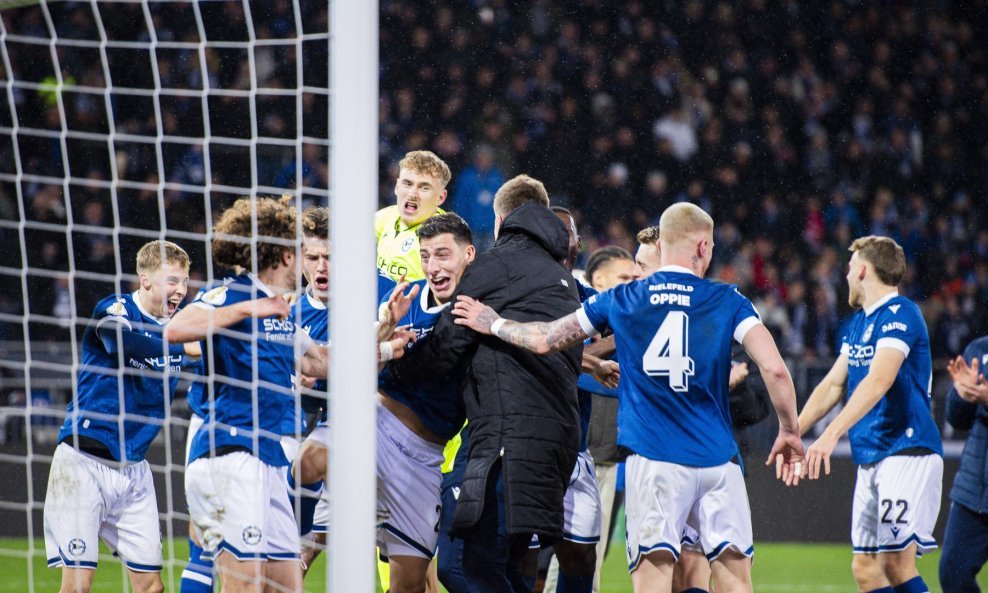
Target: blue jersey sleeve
898	327
594	315
745	318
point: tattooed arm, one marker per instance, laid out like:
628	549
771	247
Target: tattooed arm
540	337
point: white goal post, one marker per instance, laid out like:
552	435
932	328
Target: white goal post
124	121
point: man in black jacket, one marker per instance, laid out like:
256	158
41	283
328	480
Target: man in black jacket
522	408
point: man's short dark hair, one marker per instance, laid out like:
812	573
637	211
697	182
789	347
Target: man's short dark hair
517	191
448	222
603	256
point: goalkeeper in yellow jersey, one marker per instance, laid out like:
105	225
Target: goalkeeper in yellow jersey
419	190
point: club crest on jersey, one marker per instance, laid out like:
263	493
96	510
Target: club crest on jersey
117	308
867	334
216	296
77	547
252	535
407	244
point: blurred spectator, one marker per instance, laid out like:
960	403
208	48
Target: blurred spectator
473	195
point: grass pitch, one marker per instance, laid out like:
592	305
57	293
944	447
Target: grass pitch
778	568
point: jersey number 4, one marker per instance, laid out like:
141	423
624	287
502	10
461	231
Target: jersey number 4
667	354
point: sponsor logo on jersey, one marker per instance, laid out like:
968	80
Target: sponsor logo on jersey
895	325
252	535
894	308
215	297
895	531
77	547
118	309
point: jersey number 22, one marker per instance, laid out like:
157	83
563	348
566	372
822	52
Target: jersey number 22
667	354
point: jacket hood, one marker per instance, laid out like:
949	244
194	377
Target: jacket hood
540	224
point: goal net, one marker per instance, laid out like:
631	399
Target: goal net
123	122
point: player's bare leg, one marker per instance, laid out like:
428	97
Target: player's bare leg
77	580
432	579
868	573
311	550
239	576
282	575
312	462
146	582
692	571
576	564
654	573
732	572
899	567
408	573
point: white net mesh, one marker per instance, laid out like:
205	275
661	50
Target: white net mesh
121	122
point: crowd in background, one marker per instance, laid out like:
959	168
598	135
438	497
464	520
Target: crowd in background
798	126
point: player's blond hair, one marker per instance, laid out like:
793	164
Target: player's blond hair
517	191
426	161
235	233
682	220
315	222
885	256
152	255
649	235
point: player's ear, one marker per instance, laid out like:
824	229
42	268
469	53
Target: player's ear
145	281
442	197
471	252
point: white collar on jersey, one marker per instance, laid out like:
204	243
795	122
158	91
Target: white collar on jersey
260	285
424	301
144	312
679	269
874	306
313	301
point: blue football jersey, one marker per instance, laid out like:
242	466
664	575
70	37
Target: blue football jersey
252	369
902	419
438	403
673	333
314	318
102	389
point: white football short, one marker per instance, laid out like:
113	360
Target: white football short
88	500
581	504
240	505
195	423
662	497
409	479
896	503
320	520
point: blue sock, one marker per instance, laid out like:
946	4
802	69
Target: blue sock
913	585
694	590
198	574
568	584
883	590
309	497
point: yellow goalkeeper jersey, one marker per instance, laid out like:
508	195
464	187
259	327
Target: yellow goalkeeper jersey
397	246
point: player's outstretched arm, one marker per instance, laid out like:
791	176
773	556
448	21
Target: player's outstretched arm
540	337
884	368
787	451
195	323
825	396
